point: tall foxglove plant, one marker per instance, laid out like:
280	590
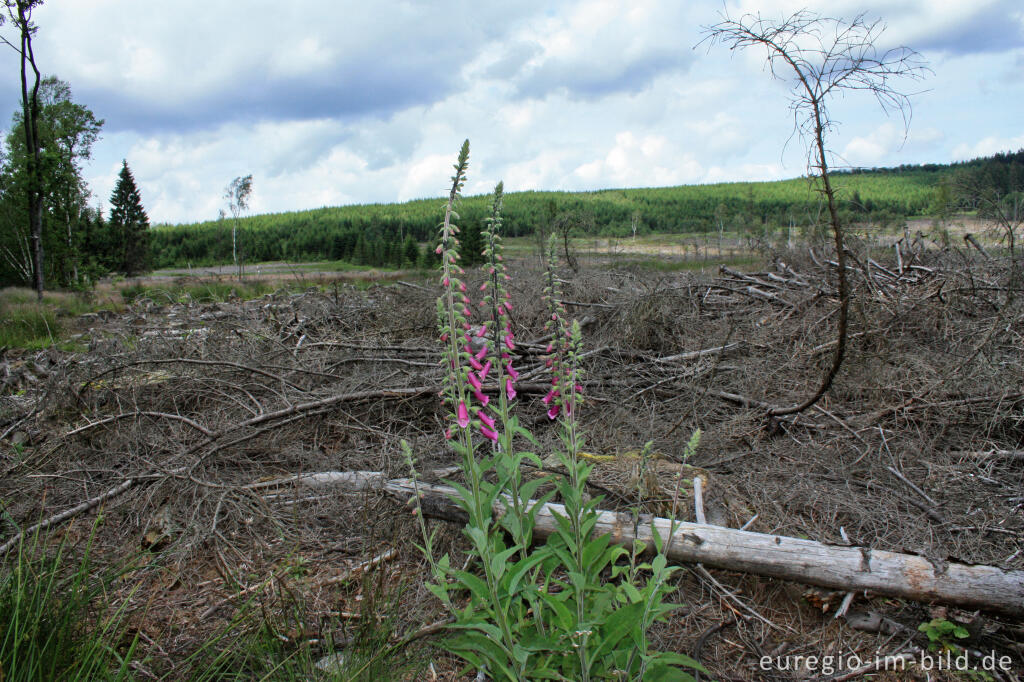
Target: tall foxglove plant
531	612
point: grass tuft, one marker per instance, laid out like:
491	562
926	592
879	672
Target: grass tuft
27	325
55	623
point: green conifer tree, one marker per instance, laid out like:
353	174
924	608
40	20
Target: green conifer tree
410	252
129	224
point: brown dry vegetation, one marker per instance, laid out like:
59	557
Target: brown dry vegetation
196	405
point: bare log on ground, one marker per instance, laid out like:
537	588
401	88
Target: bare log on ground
838	567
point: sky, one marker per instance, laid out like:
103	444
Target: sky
337	102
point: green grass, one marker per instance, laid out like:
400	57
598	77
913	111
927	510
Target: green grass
200	292
54	622
57	622
27	325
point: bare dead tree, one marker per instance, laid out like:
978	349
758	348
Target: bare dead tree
822	57
565	224
20	14
1004	207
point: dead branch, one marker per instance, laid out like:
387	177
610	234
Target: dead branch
135	415
67	514
969	238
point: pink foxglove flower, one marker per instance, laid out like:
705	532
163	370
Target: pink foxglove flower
487	419
462	287
475	364
481	330
473	381
510	389
508	341
512	372
488	433
482	397
484	370
552	394
481	353
448	433
553	411
445	282
463	415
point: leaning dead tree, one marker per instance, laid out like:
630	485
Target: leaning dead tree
823	57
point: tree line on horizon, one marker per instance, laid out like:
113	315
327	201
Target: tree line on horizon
385	234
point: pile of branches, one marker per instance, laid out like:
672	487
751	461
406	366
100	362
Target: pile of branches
179	418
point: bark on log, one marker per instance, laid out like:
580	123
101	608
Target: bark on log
844	568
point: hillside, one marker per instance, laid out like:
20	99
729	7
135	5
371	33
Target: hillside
379	233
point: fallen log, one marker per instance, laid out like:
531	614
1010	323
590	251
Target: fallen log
837	567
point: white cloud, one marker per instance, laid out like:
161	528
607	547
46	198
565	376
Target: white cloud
650	160
342	103
876	147
987	146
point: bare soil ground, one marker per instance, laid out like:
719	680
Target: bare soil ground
185	410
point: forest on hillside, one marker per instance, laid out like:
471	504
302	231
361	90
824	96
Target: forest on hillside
388	234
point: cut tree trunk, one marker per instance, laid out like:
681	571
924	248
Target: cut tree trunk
843	568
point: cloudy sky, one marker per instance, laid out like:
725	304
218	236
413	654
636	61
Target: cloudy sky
330	103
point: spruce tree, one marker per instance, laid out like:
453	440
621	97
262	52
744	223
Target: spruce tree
410	252
129	224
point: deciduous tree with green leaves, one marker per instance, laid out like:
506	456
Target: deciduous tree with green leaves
237	194
66	131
